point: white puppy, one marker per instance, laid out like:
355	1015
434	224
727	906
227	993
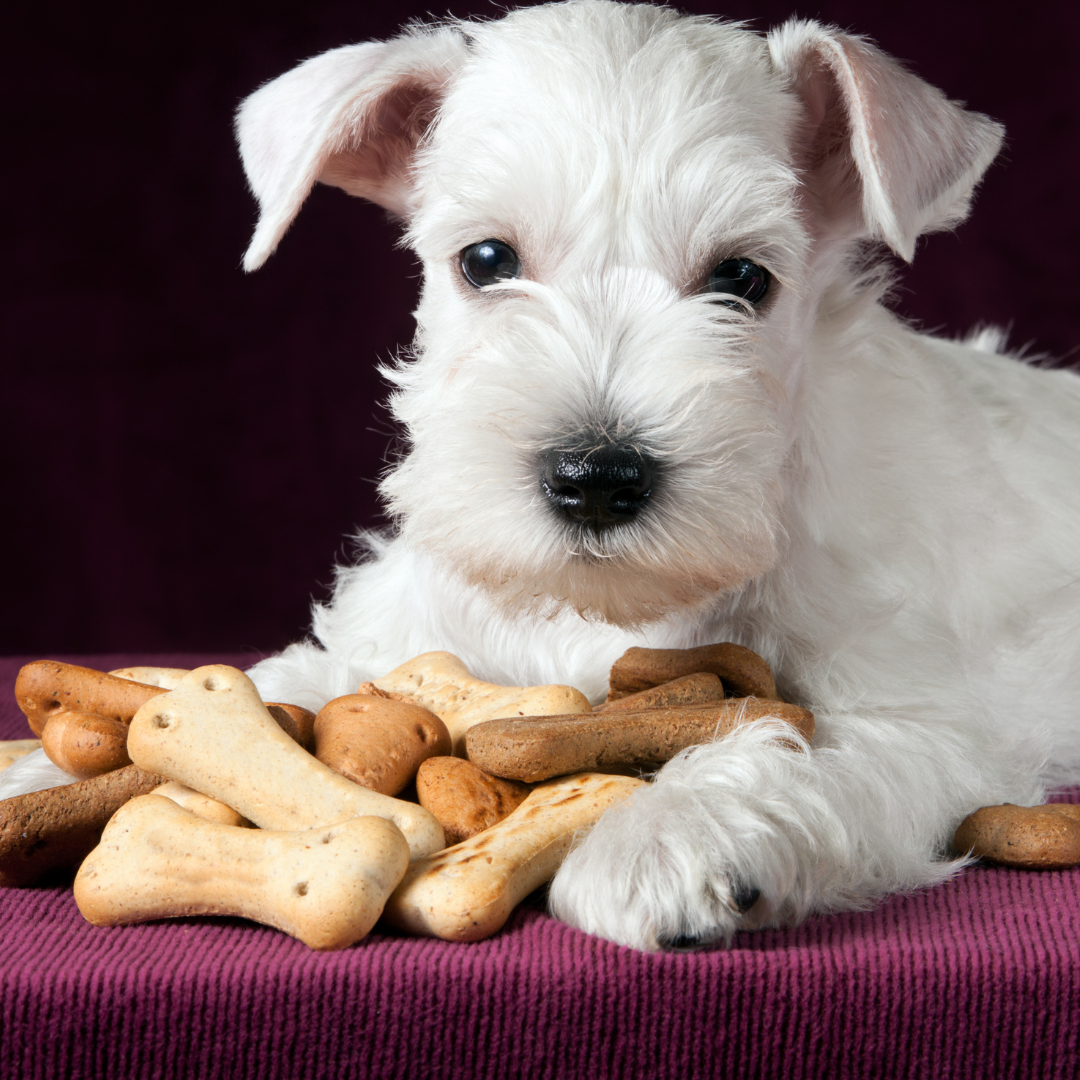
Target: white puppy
655	399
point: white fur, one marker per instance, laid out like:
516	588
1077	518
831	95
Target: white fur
891	519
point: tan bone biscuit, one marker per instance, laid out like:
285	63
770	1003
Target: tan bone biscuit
13	749
536	748
468	891
214	734
703	688
55	828
85	745
195	802
377	742
165	677
444	685
743	672
465	799
1023	837
326	887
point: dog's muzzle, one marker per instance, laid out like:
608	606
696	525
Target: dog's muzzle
598	487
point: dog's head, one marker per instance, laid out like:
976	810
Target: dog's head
631	224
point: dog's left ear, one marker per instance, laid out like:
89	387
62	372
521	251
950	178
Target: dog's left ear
885	155
351	117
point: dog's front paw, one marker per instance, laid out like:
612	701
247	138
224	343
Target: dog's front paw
726	838
647	877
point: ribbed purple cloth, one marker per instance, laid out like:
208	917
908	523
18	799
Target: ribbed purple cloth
977	978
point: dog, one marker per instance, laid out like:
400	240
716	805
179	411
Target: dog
656	398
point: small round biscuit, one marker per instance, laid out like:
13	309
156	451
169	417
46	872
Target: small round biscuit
465	799
1023	837
378	742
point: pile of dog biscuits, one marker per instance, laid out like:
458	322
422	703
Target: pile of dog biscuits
196	797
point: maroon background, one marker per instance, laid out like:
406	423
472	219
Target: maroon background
183	447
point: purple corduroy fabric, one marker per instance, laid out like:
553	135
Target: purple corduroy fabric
979	977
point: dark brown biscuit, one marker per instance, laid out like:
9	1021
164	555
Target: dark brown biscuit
46	830
538	747
743	673
703	688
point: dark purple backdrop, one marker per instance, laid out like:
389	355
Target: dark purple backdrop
185	448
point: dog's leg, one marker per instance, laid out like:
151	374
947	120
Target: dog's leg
747	832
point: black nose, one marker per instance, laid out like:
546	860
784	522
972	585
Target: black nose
599	487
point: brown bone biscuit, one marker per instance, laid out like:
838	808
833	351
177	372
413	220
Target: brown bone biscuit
377	742
538	747
59	827
1023	837
85	745
297	722
743	673
465	799
46	687
704	688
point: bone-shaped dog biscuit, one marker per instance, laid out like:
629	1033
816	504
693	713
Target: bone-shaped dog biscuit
168	678
214	734
377	742
467	892
297	722
743	672
46	688
443	684
537	747
85	745
325	886
703	688
195	802
464	798
45	830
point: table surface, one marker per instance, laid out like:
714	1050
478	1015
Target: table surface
977	977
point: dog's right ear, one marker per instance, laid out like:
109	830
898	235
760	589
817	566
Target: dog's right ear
351	117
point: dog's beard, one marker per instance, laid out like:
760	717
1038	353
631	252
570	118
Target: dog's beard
625	580
711	525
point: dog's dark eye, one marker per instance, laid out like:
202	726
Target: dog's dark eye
488	262
741	278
